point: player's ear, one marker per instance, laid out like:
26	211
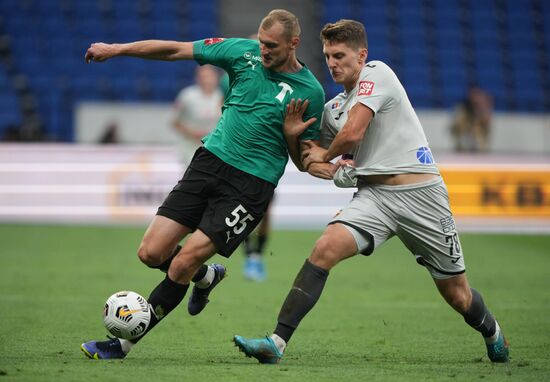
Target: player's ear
294	42
363	53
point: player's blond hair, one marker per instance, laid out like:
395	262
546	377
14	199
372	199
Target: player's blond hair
350	32
287	19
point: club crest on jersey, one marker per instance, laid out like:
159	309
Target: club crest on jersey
424	155
365	88
213	40
335	105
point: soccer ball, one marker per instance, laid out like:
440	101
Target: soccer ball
126	315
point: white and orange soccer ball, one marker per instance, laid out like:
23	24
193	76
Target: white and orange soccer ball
126	315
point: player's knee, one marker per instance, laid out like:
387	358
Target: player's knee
147	256
460	301
324	254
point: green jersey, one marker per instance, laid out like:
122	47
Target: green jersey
249	134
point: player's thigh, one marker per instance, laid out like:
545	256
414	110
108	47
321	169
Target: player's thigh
366	220
427	228
181	211
160	239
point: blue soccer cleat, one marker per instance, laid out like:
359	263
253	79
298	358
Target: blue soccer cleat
109	349
199	296
263	349
254	269
499	351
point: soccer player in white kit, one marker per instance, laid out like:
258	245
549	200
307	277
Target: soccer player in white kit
400	192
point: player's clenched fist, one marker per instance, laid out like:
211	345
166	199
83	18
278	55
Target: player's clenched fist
100	52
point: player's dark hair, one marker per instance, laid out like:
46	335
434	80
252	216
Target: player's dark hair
350	32
287	19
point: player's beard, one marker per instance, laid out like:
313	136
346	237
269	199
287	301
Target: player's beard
275	64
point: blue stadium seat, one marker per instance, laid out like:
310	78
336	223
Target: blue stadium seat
335	10
9	109
87	10
18	25
332	89
126	30
411	13
53	26
454	83
4	79
491	78
165	90
418	88
413	44
378	46
86	89
166	30
164	10
125	9
92	30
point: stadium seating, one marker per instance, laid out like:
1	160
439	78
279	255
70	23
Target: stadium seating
437	47
49	38
444	46
9	106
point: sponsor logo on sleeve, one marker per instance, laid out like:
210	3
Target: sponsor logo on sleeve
214	40
335	105
365	88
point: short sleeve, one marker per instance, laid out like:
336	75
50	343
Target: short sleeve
220	52
376	88
314	110
328	131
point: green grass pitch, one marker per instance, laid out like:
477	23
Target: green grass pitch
379	319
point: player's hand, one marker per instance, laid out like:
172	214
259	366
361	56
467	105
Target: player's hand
343	163
313	154
294	125
100	52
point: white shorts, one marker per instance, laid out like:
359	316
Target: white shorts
418	214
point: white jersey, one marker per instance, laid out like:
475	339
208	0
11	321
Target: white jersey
394	142
197	111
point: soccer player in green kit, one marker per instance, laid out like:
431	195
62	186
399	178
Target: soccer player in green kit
229	183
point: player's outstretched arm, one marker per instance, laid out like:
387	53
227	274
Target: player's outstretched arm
148	49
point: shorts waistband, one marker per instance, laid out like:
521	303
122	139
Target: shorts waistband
403	187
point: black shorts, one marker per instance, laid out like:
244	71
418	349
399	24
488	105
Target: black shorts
219	199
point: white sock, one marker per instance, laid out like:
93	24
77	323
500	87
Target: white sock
207	279
494	337
126	345
279	342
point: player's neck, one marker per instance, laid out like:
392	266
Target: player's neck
349	85
292	65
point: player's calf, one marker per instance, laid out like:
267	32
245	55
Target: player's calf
479	318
